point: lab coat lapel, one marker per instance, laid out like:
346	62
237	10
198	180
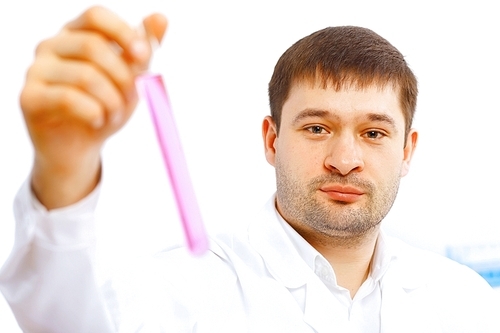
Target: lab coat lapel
285	267
405	305
283	262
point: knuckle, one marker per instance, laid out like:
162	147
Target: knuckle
109	97
115	102
124	80
32	100
37	68
26	98
86	77
65	99
43	46
91	46
92	15
32	71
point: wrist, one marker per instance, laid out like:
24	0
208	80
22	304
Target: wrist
63	184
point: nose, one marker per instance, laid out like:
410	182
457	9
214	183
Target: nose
344	155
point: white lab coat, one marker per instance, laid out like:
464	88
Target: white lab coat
254	282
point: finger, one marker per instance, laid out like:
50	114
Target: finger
56	104
115	29
93	49
86	77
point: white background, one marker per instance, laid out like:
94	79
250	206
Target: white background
217	59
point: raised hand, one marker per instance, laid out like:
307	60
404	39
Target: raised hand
79	91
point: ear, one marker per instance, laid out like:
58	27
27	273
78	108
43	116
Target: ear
411	144
269	136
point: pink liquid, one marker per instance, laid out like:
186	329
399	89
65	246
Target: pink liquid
153	90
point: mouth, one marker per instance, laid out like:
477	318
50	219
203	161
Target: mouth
342	193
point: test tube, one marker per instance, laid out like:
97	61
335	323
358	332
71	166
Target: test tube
152	89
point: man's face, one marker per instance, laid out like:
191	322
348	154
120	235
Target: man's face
339	157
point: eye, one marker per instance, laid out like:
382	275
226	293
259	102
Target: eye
374	135
316	129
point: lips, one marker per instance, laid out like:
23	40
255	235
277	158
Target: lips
342	193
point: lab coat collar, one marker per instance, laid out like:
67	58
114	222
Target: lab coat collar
405	267
281	258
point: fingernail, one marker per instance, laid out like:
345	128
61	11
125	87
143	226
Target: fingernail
139	49
131	96
116	118
97	122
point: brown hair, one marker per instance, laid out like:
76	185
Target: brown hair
341	57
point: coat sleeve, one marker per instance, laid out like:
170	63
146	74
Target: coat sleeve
49	278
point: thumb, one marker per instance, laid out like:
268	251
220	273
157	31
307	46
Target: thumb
155	26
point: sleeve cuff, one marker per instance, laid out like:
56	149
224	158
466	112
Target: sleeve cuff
67	227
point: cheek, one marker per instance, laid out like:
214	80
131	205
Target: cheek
384	163
392	167
299	157
292	164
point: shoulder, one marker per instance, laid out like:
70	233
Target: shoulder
434	269
462	300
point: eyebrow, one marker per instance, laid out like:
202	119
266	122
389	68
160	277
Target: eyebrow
319	113
380	117
311	113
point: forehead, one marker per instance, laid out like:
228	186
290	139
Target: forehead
346	103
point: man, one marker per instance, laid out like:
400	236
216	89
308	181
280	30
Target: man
314	260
